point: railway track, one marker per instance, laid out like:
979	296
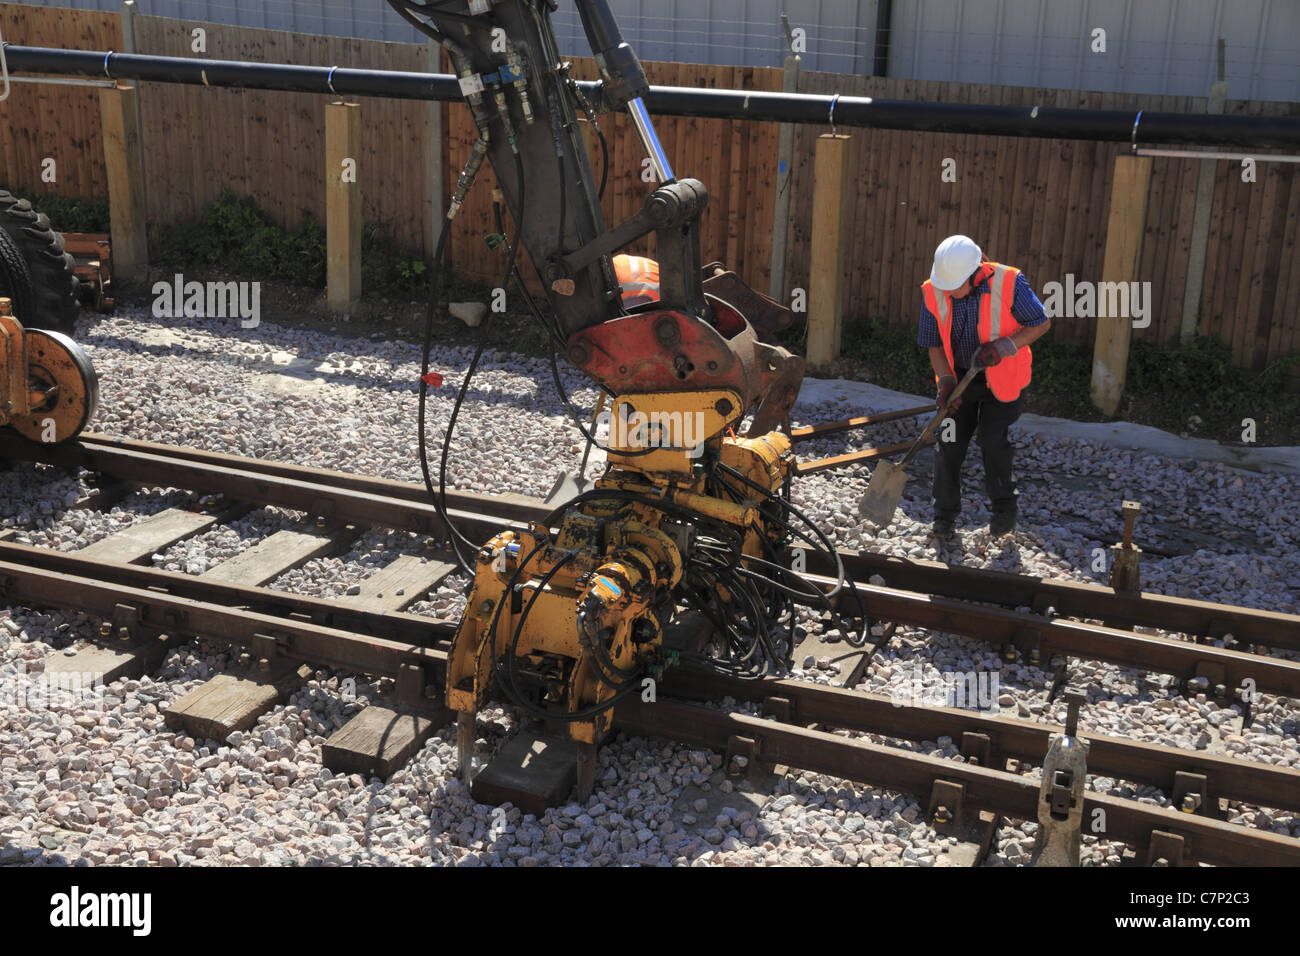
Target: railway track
145	610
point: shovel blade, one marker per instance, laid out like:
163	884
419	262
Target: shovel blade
883	493
566	488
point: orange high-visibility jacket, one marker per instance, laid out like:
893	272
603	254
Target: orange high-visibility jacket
639	278
1008	377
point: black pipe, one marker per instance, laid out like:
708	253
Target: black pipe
232	73
884	23
1038	121
849	111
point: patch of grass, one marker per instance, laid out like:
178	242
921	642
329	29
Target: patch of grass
1195	388
68	213
891	352
387	266
236	235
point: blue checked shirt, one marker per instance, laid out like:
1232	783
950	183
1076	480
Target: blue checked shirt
1025	308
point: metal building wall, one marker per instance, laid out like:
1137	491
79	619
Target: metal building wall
1152	46
841	33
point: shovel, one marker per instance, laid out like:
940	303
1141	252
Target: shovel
567	487
887	481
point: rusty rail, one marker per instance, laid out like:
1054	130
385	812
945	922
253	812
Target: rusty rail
776	742
927	594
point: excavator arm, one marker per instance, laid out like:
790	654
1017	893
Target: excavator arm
525	106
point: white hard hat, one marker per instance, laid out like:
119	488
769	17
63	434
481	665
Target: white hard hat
954	261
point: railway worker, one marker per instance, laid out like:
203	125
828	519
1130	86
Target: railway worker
974	310
639	278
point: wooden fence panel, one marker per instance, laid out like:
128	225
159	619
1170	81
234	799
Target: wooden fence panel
1042	205
59	122
270	144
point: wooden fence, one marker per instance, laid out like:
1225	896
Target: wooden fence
1039	204
1042	205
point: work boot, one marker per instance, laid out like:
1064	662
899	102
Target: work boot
943	528
1001	524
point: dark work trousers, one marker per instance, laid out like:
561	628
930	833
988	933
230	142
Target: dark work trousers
982	415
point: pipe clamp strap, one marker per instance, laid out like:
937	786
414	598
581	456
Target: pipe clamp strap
329	80
1133	138
4	71
834	99
106	59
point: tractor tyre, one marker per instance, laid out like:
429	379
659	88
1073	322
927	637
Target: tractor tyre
54	302
15	279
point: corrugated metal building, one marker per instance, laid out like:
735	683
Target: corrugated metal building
1150	46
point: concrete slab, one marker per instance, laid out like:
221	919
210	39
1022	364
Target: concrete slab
1143	438
268	559
851	661
144	538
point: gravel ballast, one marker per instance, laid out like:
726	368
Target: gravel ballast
104	781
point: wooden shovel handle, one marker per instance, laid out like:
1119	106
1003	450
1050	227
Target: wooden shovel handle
941	414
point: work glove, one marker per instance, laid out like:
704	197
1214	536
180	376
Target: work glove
946	384
994	352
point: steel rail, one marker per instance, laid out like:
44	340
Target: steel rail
103	453
507	506
1141	763
1118	126
296	641
1206	840
1049	636
1073	598
939	601
1069	598
1151	764
263	488
395	625
157	613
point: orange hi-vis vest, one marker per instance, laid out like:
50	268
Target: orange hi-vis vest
639	278
1008	377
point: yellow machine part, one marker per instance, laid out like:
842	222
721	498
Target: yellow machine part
764	460
48	388
673	426
620	589
14	399
610	564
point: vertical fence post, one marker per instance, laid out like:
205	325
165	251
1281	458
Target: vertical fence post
784	186
121	132
433	147
830	221
342	205
129	46
1201	220
1128	212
